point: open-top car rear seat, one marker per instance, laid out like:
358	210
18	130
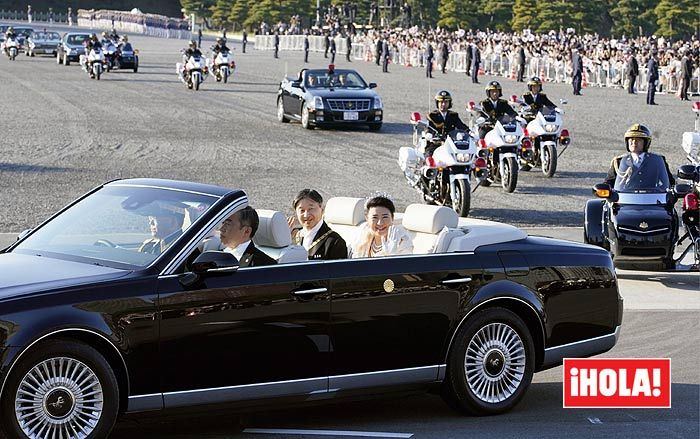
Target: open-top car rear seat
343	215
273	238
431	227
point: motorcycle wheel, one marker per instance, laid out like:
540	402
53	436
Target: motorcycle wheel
225	78
196	83
549	160
463	197
280	112
510	174
98	74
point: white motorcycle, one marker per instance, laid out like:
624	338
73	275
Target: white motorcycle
193	72
94	63
445	177
111	53
503	142
691	192
12	48
222	66
545	132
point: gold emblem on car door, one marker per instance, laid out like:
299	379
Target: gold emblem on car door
388	285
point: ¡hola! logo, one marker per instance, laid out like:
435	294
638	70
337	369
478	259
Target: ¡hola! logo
617	382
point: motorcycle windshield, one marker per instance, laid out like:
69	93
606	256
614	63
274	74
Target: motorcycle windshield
508	122
648	177
460	138
549	113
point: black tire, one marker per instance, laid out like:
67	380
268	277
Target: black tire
549	160
375	126
510	168
136	64
98	74
280	111
66	61
305	122
195	81
463	203
99	378
225	78
461	390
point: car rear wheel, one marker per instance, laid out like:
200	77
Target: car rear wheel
490	364
60	388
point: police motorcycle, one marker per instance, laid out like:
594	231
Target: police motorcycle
502	144
545	133
691	192
11	46
635	220
445	177
111	53
222	66
193	72
94	63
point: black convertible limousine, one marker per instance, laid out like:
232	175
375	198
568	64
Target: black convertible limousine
101	315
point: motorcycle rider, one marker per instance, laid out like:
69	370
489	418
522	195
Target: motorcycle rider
92	43
443	120
9	34
494	107
535	98
192	50
106	39
123	40
114	36
220	46
637	142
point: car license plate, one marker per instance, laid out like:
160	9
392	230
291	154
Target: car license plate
351	115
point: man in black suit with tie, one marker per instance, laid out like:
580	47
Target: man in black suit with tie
686	74
245	39
577	73
326	44
521	62
348	48
386	54
378	50
632	72
652	77
476	61
332	50
277	43
237	234
429	56
306	47
468	59
444	56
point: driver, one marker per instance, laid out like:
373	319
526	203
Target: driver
494	107
166	226
637	142
442	119
219	47
535	98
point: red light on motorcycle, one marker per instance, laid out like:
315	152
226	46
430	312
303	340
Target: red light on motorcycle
526	143
471	105
696	106
690	202
514	98
480	163
564	133
415	117
526	133
482	143
430	161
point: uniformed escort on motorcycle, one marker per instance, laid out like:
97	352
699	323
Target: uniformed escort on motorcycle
9	35
494	107
535	99
443	120
220	46
637	142
92	43
192	50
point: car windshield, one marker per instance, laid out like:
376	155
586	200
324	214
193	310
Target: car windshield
121	226
23	31
649	177
46	36
326	79
77	40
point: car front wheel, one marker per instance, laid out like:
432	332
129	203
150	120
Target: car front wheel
60	388
490	364
305	118
280	111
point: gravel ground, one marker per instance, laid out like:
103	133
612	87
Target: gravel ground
64	134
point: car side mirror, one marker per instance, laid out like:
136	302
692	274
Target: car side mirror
682	189
23	234
603	190
213	262
372	85
687	172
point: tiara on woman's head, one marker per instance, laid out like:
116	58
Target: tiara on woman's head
377	194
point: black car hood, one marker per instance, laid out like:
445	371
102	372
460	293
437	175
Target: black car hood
21	274
343	93
632	215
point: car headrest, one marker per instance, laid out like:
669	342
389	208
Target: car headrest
345	210
273	230
429	219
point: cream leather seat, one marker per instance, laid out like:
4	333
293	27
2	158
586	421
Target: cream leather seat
343	215
431	227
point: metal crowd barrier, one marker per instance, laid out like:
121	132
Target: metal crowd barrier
296	42
137	28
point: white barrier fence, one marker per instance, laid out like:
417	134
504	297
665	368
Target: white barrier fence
609	74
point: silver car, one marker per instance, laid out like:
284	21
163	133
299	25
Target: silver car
44	42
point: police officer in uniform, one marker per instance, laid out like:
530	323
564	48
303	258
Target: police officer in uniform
442	119
494	107
535	98
220	46
637	142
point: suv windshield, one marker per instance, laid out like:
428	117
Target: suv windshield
649	177
120	226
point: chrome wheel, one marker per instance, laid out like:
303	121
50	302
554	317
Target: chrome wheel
494	363
59	397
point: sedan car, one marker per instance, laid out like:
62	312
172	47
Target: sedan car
42	43
71	47
323	97
115	304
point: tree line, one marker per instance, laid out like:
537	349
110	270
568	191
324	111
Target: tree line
669	18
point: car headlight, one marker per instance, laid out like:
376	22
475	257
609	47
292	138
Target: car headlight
463	157
510	138
377	102
317	103
550	127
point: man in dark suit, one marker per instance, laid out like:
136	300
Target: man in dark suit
577	72
378	50
686	74
476	62
326	44
521	62
444	56
306	47
652	77
386	54
315	236
332	50
245	39
632	71
348	48
237	234
277	43
429	57
468	59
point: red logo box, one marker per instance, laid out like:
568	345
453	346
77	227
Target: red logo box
617	382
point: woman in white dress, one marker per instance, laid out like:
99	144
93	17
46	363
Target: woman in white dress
378	236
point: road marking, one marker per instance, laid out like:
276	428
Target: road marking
595	421
328	432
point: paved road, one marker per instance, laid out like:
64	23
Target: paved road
67	133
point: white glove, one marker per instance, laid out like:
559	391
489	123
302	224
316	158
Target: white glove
390	243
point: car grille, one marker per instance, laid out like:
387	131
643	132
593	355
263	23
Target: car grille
348	104
655	231
643	252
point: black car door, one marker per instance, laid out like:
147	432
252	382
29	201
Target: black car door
395	313
254	333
